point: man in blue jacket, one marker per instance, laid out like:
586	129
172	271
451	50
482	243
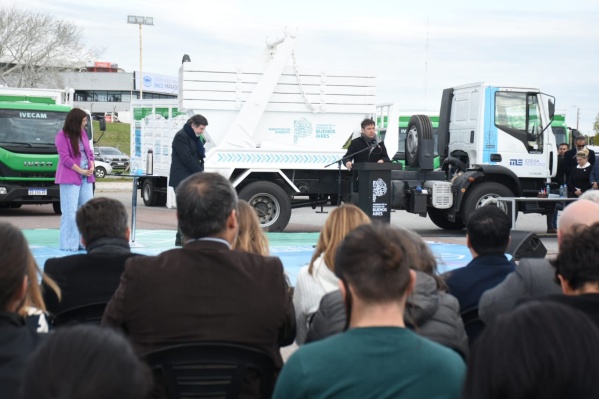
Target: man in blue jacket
488	236
187	155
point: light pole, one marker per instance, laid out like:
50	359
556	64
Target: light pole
139	20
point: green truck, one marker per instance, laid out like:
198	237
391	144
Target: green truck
29	121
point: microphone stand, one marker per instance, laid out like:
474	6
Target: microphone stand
340	161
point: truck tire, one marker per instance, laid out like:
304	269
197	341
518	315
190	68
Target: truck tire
161	201
439	218
271	202
148	193
419	128
484	194
56	208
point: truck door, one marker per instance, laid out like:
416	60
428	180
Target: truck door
519	129
465	141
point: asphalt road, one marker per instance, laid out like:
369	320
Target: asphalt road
302	220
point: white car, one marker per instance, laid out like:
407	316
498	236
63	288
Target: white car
102	169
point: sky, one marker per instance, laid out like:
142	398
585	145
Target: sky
415	49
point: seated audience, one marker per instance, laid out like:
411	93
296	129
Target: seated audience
377	357
577	270
430	311
318	278
539	350
204	291
535	277
85	362
250	238
94	276
16	340
487	238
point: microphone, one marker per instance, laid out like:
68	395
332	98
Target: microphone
373	144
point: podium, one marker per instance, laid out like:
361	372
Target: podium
372	181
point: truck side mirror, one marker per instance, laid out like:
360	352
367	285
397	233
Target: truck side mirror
551	107
102	123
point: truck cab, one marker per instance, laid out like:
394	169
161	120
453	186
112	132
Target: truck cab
509	127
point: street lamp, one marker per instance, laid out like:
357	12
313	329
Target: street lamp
139	20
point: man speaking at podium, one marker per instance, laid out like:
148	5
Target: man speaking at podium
366	148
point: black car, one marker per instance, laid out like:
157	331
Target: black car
119	161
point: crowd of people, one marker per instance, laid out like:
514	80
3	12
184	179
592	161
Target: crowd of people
370	314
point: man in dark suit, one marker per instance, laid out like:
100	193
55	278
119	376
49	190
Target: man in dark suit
187	154
487	238
94	276
205	291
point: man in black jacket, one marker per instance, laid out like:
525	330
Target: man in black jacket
366	148
92	277
187	155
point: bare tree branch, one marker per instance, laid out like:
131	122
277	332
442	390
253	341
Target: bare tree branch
35	47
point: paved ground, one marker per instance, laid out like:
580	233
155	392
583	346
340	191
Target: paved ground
302	220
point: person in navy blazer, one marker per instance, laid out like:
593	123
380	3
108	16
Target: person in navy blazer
488	236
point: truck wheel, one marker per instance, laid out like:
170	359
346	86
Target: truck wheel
419	128
100	172
148	193
56	207
439	218
271	202
485	194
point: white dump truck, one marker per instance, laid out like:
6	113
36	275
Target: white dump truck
274	128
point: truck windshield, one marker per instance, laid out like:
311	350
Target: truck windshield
519	115
29	126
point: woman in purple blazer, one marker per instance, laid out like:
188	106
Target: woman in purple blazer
74	174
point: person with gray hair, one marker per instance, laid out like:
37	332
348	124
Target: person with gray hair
535	277
91	277
590	195
205	291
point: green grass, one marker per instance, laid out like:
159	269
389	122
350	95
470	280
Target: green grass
116	135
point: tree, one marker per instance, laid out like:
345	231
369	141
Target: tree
35	47
596	130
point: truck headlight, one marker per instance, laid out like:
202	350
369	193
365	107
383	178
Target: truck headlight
3	191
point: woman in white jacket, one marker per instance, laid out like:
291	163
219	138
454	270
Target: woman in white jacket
318	278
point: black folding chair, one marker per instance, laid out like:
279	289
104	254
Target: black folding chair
210	370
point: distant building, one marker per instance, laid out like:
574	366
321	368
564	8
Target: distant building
102	87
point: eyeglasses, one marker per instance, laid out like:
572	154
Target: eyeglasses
579	146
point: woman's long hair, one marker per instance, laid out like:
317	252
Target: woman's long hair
340	222
250	237
72	127
33	297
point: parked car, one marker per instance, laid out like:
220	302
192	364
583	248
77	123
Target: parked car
118	160
102	169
